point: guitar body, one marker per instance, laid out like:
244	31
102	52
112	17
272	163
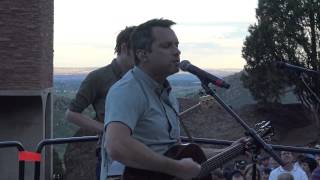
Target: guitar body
176	152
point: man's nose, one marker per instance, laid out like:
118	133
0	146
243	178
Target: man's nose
177	51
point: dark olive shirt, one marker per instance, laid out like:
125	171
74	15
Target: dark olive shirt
94	88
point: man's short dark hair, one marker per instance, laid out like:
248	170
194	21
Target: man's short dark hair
124	37
142	37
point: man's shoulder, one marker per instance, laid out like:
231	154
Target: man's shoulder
127	82
102	75
126	88
101	71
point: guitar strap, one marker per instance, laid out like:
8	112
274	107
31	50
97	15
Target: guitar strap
186	130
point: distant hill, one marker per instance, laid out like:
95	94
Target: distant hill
72	70
238	96
67	80
66	71
290	122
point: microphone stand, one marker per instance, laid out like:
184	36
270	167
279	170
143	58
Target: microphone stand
259	142
308	71
299	69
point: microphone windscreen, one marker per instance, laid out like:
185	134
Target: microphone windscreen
184	65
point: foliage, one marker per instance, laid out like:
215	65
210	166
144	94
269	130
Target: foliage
288	31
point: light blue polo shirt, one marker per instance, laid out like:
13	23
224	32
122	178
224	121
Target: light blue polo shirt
147	108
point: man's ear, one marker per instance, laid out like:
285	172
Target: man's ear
142	55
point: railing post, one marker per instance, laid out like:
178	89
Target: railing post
18	145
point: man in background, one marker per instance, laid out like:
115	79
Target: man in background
94	88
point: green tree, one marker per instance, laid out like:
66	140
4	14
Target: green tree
288	31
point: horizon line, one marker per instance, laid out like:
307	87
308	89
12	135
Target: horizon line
70	67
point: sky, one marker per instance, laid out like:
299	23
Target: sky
211	32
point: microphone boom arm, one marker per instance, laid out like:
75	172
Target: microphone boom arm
250	131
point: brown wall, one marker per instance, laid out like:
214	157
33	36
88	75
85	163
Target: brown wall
26	75
26	44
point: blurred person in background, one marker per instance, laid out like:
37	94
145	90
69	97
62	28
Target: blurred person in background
288	160
248	173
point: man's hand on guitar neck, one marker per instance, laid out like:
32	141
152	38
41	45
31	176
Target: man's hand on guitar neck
243	140
209	152
246	142
187	169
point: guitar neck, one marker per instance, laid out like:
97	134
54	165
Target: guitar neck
219	159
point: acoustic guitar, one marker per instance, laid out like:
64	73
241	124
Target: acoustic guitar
195	152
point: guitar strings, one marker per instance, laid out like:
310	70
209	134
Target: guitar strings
216	161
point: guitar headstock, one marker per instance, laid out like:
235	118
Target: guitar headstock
206	101
264	129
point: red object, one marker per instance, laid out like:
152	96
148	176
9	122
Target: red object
29	156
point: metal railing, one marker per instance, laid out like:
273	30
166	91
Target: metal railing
18	145
274	146
46	142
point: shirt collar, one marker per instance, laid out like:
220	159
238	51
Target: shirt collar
294	168
165	87
158	88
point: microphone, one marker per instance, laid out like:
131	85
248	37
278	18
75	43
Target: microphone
283	65
185	65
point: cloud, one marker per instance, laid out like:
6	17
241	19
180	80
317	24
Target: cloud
212	38
207	29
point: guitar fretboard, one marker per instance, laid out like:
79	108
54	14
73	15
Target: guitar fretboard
219	159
